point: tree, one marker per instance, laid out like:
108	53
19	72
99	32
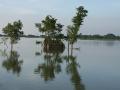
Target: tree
13	31
72	30
72	34
49	26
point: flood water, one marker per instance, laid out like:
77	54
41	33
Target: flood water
92	65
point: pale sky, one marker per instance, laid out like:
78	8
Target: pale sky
103	15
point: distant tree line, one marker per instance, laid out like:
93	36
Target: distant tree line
109	36
79	36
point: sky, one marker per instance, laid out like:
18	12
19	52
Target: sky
103	15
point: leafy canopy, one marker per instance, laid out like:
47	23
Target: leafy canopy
13	30
72	30
49	26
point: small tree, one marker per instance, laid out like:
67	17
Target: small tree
49	26
72	30
13	31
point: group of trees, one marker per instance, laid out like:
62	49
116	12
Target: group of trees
49	26
52	47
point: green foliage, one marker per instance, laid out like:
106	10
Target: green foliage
72	34
49	26
13	30
80	15
72	30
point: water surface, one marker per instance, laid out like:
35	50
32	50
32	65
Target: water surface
93	65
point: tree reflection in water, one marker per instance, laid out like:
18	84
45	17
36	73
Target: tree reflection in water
72	70
53	60
12	63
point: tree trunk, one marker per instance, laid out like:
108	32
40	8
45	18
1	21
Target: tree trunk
71	49
11	45
68	49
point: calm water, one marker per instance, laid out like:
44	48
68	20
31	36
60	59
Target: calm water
94	65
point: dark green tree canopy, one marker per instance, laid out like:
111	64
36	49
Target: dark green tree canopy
80	15
13	30
49	26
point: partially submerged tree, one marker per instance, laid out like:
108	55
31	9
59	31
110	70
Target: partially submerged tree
49	26
72	30
13	31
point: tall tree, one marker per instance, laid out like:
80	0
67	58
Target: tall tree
72	30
